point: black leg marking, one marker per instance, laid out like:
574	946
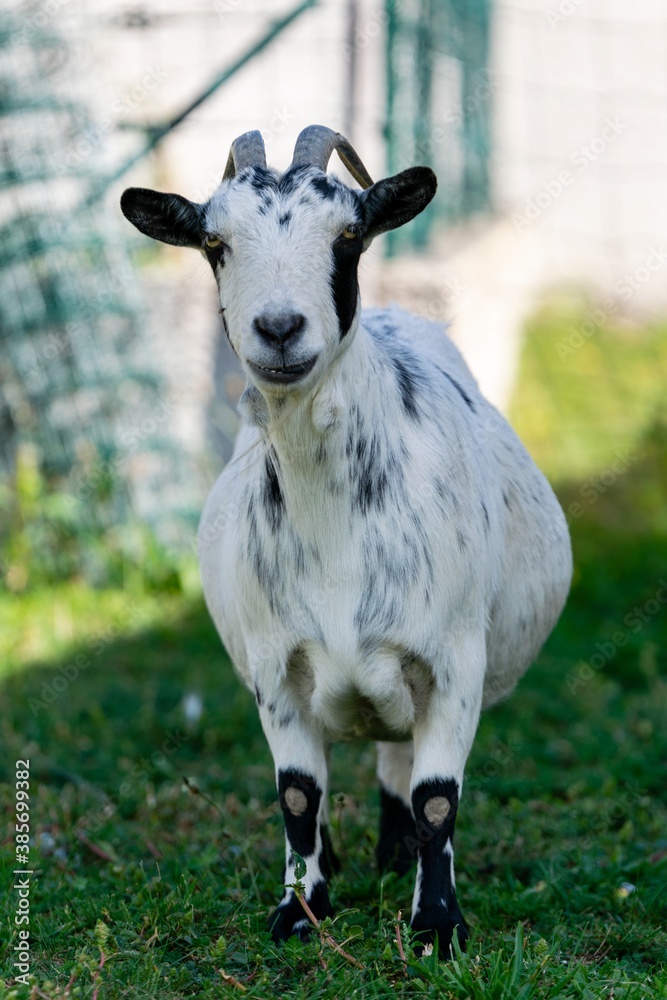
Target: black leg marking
300	798
396	847
435	804
290	917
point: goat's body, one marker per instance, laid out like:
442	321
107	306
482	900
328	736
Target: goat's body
381	556
346	543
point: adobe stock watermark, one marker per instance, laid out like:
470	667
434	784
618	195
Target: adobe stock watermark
35	19
625	288
438	306
143	770
132	437
100	475
57	345
609	815
500	757
366	34
222	7
552	189
634	622
595	487
442	131
93	136
565	9
137	778
67	673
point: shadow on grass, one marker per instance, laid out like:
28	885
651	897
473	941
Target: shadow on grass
564	795
98	710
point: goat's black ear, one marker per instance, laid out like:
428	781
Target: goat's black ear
395	200
165	217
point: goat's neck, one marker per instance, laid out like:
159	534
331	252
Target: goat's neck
310	436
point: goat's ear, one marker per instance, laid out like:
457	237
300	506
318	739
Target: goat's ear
395	200
165	217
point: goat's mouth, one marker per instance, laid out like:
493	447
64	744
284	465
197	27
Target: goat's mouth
283	374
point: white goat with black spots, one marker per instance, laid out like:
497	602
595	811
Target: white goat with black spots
381	557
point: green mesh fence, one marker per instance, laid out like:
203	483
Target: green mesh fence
439	105
78	388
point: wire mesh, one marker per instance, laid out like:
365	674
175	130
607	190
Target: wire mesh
78	384
438	111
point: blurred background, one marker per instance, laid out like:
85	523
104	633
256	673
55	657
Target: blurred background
546	125
546	252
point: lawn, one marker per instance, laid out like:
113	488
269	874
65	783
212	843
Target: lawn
156	840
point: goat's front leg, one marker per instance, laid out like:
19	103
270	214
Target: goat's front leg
442	740
301	775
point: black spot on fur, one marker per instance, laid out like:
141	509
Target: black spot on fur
381	328
266	571
344	284
485	512
370	477
461	540
326	188
258	696
378	608
292	178
260	178
272	497
301	829
461	391
284	220
407	383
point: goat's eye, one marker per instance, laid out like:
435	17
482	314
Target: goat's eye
212	243
350	232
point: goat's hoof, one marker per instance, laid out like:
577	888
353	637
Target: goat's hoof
289	917
427	926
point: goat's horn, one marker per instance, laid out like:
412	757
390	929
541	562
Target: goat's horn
247	151
315	145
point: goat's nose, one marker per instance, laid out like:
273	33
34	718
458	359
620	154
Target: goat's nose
278	328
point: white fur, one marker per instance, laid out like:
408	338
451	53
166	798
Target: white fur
509	587
404	562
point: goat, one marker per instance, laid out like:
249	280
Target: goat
381	556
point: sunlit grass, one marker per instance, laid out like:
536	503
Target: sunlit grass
578	408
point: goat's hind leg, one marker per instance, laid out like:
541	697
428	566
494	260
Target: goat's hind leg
442	739
301	776
396	849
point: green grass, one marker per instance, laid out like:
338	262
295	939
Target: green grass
564	805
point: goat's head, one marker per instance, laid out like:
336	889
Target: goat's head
285	249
